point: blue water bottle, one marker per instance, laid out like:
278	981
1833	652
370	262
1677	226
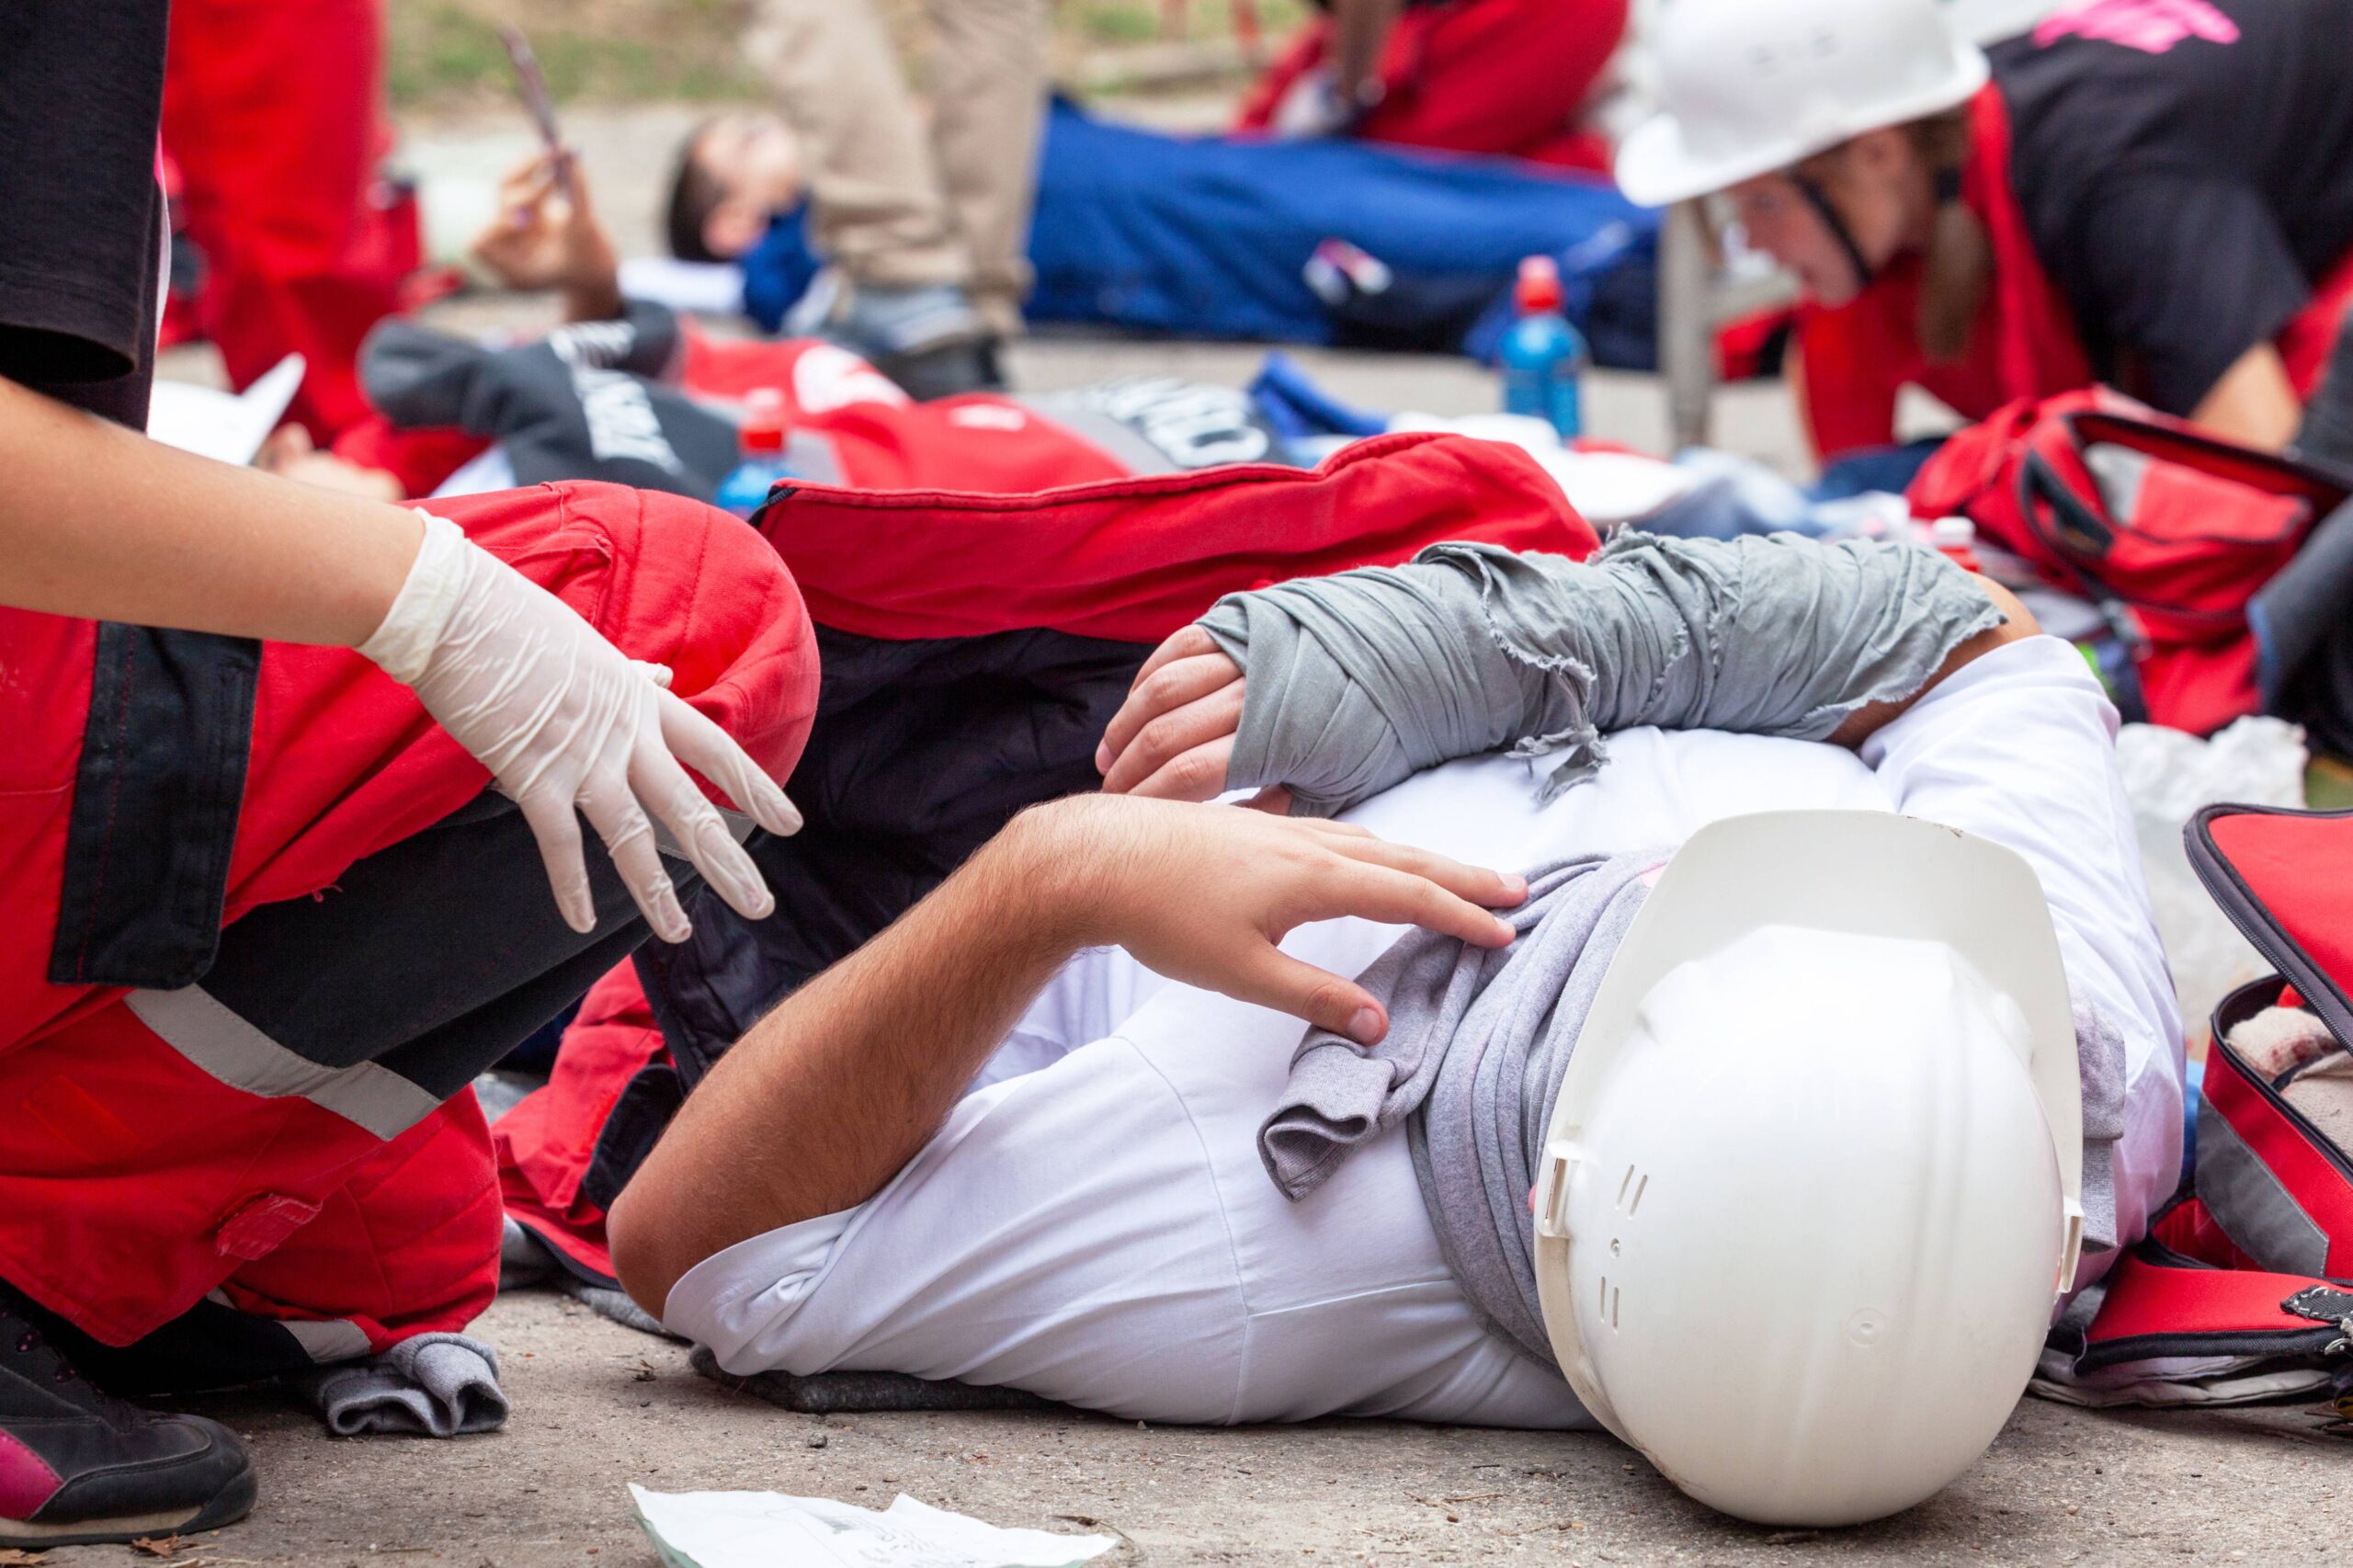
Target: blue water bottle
761	440
1543	352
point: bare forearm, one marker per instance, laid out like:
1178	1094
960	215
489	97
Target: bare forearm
101	522
825	1099
2253	402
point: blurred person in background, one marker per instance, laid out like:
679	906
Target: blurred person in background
1506	78
925	233
273	123
2156	193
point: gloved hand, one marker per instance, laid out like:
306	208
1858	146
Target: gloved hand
564	720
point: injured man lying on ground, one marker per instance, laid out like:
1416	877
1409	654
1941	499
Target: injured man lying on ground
1766	1142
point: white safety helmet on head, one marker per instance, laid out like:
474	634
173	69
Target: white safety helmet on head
1812	1184
1755	86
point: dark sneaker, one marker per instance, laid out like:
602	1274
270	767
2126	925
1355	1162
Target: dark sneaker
929	338
79	1466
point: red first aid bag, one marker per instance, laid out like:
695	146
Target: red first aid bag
2171	532
2243	1289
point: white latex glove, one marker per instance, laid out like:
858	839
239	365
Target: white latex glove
564	720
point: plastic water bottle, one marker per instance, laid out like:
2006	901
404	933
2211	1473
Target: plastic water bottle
1955	539
745	489
1543	352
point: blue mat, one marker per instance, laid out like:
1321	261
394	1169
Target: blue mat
1207	237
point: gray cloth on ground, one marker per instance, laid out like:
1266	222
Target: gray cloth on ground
1358	680
436	1385
858	1393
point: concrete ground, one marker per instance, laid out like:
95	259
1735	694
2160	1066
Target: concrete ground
598	1407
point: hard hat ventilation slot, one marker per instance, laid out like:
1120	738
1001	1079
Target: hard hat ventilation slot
1606	1305
1637	1186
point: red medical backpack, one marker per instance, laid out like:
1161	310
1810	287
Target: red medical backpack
2171	532
2257	1261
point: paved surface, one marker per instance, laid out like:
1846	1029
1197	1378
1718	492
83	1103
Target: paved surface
598	1407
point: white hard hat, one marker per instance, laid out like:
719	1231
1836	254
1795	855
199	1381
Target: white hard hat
1812	1185
1754	86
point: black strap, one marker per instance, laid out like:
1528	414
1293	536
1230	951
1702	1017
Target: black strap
1820	201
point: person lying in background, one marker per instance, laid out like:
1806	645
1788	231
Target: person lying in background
2155	197
1503	77
920	213
1103	1231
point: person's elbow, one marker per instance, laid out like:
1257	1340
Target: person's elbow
650	1247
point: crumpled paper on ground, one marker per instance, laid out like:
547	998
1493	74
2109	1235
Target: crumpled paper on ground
763	1530
2168	776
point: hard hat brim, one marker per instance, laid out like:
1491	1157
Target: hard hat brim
1863	873
1656	166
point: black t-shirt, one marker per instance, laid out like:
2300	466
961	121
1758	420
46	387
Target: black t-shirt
2187	175
81	219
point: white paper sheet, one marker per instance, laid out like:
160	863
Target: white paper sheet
769	1529
227	427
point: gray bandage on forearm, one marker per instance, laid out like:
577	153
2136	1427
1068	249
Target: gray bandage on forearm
1358	680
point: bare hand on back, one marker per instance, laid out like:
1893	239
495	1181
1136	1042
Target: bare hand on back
1204	896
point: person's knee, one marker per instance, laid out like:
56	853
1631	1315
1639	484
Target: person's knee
673	582
742	649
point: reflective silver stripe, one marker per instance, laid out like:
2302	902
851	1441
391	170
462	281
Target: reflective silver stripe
2250	1202
334	1340
199	1028
739	828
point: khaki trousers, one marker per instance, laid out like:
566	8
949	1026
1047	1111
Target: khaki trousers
888	207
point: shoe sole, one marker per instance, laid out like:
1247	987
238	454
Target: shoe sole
232	1503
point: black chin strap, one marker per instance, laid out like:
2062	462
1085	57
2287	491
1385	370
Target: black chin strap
1811	190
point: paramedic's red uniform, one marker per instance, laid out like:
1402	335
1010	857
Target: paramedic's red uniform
1503	77
272	119
275	1128
2158	203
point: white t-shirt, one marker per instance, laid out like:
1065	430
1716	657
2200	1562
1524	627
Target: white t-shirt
1093	1224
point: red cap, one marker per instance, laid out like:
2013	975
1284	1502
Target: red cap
1539	284
763	427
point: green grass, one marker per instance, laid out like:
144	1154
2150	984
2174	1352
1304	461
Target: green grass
447	51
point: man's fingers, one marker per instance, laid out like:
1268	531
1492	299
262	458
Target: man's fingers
1195	775
711	751
1277	980
1493	889
1187	642
557	827
622	823
1217	716
665	791
1401	898
1175	686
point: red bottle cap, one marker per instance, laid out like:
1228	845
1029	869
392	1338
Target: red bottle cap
763	427
1539	285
